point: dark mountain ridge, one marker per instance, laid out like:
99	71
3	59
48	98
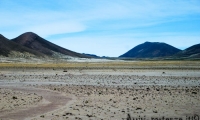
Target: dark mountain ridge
35	45
151	50
35	42
7	46
191	52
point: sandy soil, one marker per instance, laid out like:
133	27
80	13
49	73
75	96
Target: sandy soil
37	101
108	94
11	100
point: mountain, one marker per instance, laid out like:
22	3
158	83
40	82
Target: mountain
151	50
8	47
91	55
191	52
35	42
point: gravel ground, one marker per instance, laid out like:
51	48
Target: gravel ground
108	94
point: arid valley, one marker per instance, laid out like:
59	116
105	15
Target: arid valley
108	90
100	60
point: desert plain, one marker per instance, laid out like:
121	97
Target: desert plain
100	90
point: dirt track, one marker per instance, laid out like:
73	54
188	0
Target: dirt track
51	101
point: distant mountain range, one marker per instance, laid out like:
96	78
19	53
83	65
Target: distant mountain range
156	49
30	44
91	55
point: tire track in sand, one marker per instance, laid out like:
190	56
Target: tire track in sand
53	101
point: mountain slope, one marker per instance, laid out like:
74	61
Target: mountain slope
191	52
150	50
35	42
7	47
91	55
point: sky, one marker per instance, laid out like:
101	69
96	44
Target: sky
103	27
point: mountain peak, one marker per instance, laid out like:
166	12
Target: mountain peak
37	43
150	50
8	47
29	34
27	37
147	42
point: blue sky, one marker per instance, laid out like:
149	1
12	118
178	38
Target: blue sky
103	27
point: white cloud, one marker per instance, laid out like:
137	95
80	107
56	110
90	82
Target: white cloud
60	27
45	23
145	10
89	12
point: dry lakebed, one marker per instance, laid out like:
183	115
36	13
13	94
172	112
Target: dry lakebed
111	90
